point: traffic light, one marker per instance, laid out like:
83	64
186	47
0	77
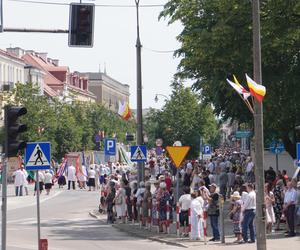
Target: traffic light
12	129
81	25
129	137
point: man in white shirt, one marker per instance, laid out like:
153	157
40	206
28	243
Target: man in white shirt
184	204
290	199
249	208
211	166
19	181
71	176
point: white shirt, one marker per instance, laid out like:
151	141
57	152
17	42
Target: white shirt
185	202
92	173
48	178
290	196
19	177
211	167
71	173
250	201
249	167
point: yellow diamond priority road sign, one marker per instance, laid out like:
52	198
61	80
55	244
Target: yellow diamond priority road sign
178	154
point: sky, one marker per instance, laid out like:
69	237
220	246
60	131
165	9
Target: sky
114	42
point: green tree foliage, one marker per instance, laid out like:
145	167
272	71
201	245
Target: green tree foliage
216	42
69	127
183	118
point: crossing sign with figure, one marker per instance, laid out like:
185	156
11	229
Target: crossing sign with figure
138	153
37	156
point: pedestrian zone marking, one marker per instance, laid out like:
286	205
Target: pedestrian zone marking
178	154
138	154
37	158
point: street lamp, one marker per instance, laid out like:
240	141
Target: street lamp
156	97
139	115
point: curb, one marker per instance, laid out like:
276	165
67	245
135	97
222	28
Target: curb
153	238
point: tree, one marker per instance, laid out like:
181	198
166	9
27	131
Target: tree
183	118
69	127
216	42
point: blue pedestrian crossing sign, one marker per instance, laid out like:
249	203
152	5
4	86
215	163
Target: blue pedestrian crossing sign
298	155
138	153
110	146
37	156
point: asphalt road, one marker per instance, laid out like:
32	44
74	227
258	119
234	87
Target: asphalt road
66	223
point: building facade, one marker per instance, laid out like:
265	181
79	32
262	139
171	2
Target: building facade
107	90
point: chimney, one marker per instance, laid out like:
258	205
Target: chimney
18	52
49	60
43	55
55	62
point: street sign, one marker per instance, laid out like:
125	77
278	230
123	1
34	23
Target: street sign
138	153
178	154
276	147
207	149
37	156
298	154
243	134
110	146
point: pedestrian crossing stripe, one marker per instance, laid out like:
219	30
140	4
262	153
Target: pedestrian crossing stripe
138	154
37	158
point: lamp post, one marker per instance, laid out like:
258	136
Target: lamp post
156	97
139	115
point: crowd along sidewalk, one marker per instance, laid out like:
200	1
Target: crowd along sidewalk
274	242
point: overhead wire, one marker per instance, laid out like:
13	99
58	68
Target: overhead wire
97	5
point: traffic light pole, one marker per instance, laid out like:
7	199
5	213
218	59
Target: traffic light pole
259	135
139	116
4	182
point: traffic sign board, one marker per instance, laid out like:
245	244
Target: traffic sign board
206	149
298	154
276	147
37	156
178	154
243	134
110	146
138	153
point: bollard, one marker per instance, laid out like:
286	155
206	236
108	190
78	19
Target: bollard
168	217
43	244
190	226
222	219
157	216
177	220
205	226
150	216
141	215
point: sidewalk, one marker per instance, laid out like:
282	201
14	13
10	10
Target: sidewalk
274	241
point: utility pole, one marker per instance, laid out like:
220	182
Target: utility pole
139	116
259	135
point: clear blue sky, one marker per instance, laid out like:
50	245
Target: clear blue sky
114	42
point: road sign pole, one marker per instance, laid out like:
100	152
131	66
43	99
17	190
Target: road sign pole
38	208
258	128
4	201
177	185
277	162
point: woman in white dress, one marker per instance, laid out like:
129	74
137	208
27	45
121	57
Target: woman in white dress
269	202
120	202
196	217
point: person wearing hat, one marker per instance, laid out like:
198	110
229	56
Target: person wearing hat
236	216
163	200
155	196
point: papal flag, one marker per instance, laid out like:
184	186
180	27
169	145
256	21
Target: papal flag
239	88
257	91
124	110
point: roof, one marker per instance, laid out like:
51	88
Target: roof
38	63
49	91
5	53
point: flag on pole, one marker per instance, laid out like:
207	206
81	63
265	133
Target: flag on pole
239	88
257	91
124	110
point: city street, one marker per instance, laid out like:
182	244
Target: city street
66	224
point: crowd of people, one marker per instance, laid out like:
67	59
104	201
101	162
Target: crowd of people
202	186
